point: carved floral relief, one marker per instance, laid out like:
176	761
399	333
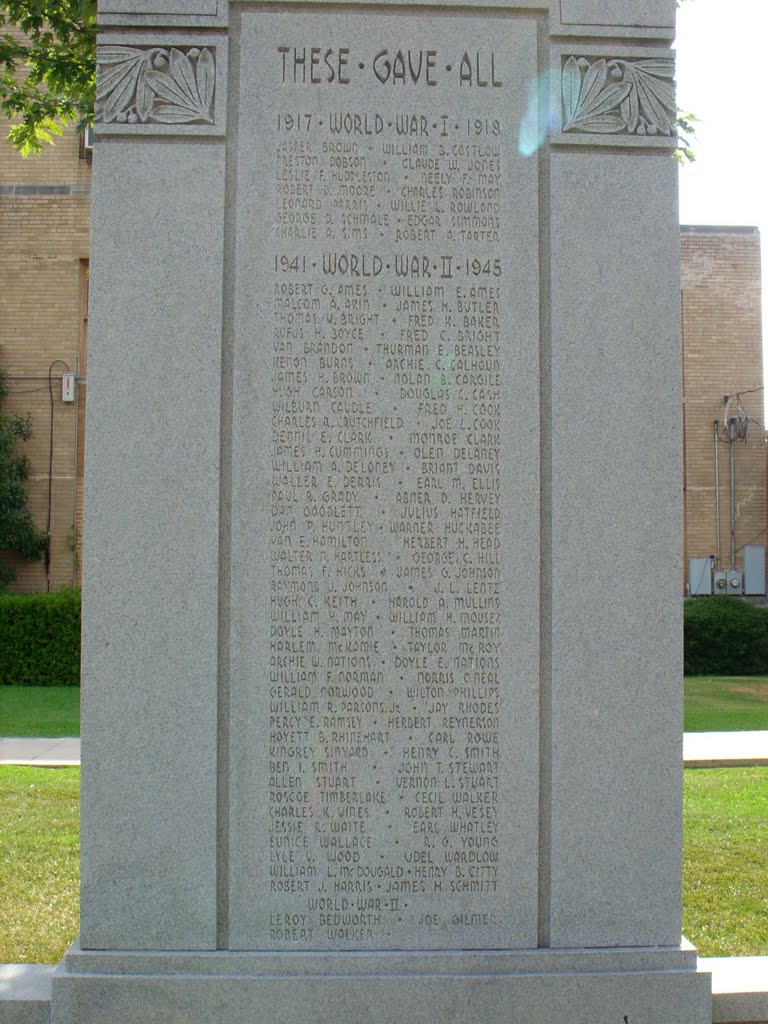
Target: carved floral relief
619	97
155	85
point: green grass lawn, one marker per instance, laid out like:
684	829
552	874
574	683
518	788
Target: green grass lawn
726	703
725	861
39	710
712	704
725	871
39	869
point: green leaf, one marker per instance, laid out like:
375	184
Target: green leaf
57	54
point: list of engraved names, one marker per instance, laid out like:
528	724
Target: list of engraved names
388	349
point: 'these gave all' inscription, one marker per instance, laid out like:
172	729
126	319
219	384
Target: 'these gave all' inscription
326	65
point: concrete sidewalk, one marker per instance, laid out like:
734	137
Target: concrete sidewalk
725	749
700	750
40	753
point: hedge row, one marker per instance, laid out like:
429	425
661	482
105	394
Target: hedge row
40	639
725	637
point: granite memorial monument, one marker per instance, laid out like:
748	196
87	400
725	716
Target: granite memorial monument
381	698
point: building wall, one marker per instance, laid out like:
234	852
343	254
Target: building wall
44	238
722	360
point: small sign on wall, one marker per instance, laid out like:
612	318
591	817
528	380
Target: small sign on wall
68	387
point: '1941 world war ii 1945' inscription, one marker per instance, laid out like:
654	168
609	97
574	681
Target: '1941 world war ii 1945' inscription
385	487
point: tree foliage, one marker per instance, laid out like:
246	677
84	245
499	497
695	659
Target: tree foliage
47	75
17	528
685	126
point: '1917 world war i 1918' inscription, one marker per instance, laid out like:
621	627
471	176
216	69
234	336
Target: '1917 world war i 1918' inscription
385	516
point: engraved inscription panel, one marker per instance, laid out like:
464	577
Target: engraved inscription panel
384	652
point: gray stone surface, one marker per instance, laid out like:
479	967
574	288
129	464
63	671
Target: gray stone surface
738	983
360	500
582	987
650	14
396	963
169	9
613	63
616	713
150	587
193	70
563	999
25	993
382	704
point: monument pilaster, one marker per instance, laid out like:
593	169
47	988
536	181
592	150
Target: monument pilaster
150	604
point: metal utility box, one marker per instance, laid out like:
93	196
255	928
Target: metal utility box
754	569
699	576
735	582
721	582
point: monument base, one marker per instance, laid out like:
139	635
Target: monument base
585	986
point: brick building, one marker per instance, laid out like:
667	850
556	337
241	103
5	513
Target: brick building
44	237
44	227
723	382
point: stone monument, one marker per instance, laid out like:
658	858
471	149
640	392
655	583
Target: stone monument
381	699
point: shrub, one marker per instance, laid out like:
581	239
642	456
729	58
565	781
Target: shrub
18	531
40	639
725	637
